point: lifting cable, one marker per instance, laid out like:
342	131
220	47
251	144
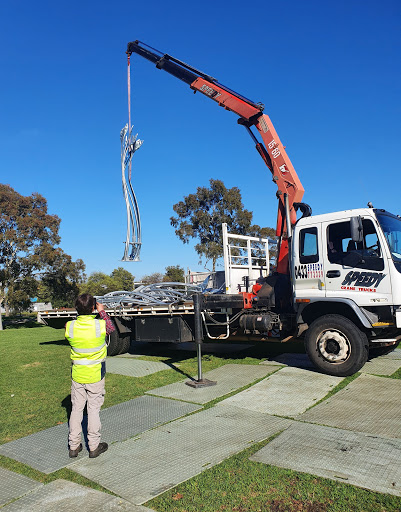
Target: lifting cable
129	144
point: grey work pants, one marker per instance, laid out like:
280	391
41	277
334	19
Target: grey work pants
93	396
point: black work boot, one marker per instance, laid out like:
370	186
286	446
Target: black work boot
74	453
101	448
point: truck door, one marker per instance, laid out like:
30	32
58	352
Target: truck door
355	270
307	257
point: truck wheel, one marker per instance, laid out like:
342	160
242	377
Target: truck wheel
125	342
113	344
336	345
118	343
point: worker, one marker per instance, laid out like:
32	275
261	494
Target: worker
87	337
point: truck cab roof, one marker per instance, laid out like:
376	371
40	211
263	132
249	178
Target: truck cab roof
334	216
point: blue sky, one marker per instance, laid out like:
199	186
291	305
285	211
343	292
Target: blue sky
327	72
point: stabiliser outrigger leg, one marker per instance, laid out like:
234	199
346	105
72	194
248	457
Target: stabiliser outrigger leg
200	382
204	303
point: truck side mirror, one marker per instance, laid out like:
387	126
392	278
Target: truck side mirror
356	229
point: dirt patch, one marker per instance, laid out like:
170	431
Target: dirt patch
31	365
295	506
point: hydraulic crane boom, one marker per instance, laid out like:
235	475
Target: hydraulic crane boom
290	190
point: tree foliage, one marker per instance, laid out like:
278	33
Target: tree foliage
201	215
19	294
28	235
123	278
174	274
99	283
60	281
156	277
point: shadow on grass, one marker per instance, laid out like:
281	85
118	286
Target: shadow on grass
55	342
231	350
21	324
178	370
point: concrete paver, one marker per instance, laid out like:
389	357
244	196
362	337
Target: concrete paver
294	360
228	377
394	354
132	367
140	469
65	496
14	485
381	366
368	404
354	458
288	392
47	450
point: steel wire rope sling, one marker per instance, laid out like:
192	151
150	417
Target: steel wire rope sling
129	144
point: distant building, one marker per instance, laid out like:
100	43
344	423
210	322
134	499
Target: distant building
41	306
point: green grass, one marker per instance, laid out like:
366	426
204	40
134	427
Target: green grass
240	485
35	395
35	378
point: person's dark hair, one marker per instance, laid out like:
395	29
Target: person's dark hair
84	304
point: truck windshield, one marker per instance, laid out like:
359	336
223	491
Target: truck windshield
391	226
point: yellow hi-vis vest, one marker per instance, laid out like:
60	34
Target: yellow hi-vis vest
87	337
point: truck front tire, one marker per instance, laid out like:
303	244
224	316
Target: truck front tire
336	346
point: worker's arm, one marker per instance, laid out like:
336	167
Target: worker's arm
104	316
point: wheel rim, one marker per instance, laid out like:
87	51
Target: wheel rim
334	346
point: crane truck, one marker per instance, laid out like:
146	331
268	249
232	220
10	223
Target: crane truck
337	281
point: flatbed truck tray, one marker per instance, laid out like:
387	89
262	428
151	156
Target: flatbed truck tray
129	311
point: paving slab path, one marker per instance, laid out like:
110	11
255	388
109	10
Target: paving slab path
132	367
228	378
150	458
141	468
14	485
382	365
368	404
64	496
288	392
359	459
394	354
289	359
47	450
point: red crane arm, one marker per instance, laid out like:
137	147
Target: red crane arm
250	114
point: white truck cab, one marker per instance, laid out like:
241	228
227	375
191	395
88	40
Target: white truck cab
346	279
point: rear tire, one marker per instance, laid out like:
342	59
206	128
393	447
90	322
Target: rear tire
125	342
113	345
118	343
336	346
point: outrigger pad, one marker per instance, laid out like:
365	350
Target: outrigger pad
203	383
229	377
